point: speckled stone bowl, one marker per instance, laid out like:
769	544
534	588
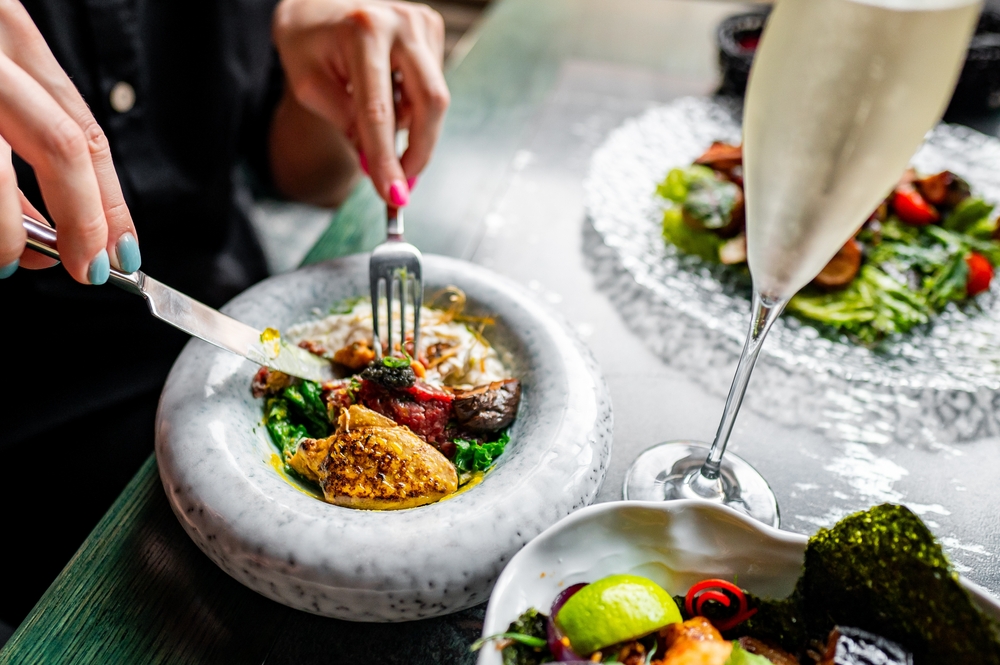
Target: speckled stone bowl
214	459
673	543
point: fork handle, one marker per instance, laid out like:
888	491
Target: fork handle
394	223
42	239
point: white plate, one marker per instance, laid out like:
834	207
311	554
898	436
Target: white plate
673	543
215	463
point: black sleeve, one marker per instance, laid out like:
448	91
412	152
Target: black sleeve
256	131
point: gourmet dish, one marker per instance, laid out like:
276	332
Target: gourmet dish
399	431
929	244
875	588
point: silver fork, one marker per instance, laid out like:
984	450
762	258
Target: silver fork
394	265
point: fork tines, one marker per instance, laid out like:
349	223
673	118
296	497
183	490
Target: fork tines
396	278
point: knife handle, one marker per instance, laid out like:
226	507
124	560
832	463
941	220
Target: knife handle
42	239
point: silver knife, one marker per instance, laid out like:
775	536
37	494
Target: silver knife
264	347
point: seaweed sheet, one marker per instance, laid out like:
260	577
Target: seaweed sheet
880	570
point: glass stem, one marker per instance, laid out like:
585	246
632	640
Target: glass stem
765	312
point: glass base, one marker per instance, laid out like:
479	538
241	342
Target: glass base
672	470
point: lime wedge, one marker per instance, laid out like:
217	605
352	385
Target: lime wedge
615	609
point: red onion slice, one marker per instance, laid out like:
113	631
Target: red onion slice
561	652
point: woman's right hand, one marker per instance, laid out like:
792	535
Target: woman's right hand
45	121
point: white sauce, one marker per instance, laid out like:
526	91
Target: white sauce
471	360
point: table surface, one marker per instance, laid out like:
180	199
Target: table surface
536	88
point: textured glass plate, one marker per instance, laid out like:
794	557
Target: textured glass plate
936	383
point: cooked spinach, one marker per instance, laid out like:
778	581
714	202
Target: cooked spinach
306	402
285	434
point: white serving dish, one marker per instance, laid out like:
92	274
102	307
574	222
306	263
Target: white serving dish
673	543
215	463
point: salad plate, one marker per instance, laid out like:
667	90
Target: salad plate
937	382
676	544
217	462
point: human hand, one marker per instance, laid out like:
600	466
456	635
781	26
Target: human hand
340	57
44	119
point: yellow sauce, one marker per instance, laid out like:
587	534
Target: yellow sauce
279	466
477	478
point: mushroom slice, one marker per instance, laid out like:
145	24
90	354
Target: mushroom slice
842	268
488	408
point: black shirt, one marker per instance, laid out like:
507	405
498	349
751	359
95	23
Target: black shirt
206	81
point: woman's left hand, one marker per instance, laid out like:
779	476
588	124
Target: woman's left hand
340	58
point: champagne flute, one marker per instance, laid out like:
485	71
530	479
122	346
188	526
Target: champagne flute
840	95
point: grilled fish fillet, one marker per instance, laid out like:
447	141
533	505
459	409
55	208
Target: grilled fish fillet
374	464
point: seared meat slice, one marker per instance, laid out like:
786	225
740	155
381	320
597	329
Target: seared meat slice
421	407
776	655
374	464
944	188
488	408
694	642
853	646
722	157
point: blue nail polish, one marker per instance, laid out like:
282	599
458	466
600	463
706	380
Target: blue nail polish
127	250
9	269
100	268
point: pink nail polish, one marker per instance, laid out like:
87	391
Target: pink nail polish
364	162
412	182
399	195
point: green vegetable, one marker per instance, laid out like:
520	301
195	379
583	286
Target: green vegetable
909	272
396	363
704	244
284	433
873	306
711	202
520	638
741	656
967	215
306	402
882	571
472	456
676	185
530	624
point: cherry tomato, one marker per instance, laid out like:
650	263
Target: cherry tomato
912	208
980	274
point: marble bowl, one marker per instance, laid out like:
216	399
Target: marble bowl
214	459
673	543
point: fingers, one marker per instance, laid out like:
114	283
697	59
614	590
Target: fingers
418	54
12	234
21	41
33	260
371	77
41	132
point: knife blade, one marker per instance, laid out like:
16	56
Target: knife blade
264	347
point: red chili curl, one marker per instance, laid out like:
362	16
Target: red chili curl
706	590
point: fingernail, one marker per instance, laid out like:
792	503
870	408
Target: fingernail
9	269
412	182
399	195
100	269
127	251
364	162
